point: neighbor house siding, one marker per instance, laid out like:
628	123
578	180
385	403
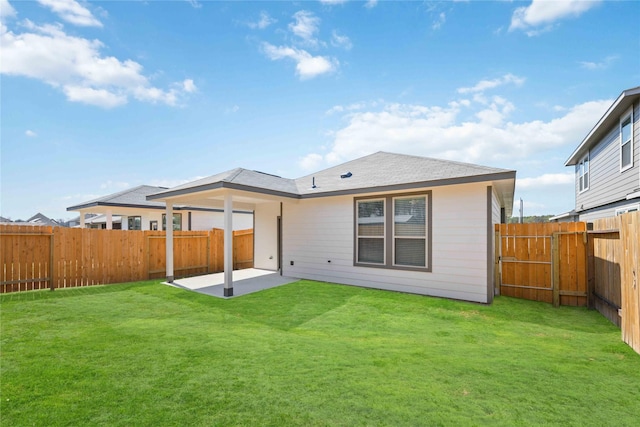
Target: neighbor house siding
318	238
606	183
201	220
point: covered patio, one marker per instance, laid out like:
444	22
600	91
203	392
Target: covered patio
240	189
244	282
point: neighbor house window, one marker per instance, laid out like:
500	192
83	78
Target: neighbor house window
177	222
632	208
626	141
134	223
393	231
583	174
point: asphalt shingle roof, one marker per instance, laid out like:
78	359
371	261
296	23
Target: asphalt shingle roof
377	170
136	196
383	169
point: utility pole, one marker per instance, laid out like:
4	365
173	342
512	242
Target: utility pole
521	211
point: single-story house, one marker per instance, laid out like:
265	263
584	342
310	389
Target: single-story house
130	210
386	221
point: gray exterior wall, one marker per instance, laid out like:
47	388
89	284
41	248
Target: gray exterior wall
607	185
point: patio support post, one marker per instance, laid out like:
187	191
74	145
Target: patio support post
169	240
81	219
228	245
109	220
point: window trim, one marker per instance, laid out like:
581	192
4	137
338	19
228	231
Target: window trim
581	174
627	115
389	238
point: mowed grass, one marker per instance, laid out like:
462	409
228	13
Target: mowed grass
307	354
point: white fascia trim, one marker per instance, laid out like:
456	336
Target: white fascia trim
633	195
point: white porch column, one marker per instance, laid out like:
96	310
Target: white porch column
109	220
228	245
81	219
169	242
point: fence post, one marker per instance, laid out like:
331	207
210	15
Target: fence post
555	256
591	276
497	276
51	262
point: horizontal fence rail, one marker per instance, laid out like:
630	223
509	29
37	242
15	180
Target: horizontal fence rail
33	257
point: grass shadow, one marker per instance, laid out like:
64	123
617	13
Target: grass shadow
39	295
284	307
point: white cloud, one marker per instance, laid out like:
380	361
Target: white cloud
169	183
6	10
305	26
604	64
189	86
114	185
307	66
195	4
30	133
333	2
351	107
339	40
311	161
483	85
72	12
97	97
370	4
439	132
232	110
438	23
76	66
264	22
543	13
546	180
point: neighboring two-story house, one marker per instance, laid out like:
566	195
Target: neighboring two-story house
607	162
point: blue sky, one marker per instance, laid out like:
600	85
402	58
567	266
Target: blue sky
97	97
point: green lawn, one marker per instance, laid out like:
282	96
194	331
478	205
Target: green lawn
307	354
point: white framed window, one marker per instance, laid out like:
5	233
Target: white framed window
583	174
410	231
626	209
370	231
393	231
626	141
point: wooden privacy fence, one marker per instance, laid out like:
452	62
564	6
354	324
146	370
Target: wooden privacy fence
580	264
56	257
615	263
542	262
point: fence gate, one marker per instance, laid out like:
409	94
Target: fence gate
542	262
26	258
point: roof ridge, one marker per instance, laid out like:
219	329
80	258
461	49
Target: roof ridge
234	174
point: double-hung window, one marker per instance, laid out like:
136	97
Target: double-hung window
410	231
393	231
370	232
626	141
583	174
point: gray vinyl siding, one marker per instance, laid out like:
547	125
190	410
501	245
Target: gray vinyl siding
607	184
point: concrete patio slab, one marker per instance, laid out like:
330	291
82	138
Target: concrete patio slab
244	282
